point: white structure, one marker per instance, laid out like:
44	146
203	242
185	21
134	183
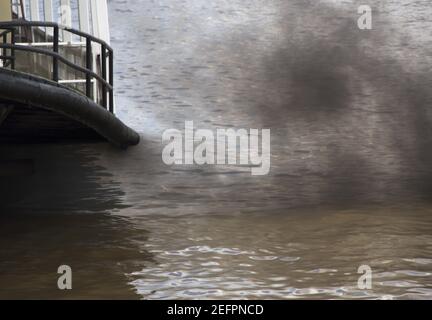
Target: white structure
90	16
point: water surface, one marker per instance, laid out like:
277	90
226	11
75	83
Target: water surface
350	180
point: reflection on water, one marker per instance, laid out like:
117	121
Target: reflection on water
350	178
64	213
99	248
289	255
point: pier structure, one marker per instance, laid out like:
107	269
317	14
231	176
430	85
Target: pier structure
57	77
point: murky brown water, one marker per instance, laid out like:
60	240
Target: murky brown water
350	181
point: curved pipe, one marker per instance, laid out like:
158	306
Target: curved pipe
46	94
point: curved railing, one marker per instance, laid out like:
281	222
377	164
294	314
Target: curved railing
105	79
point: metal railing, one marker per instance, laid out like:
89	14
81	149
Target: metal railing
106	78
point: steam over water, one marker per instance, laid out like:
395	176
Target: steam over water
350	181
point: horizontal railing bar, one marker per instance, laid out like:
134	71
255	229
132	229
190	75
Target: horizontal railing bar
60	58
25	23
7	57
75	81
50	44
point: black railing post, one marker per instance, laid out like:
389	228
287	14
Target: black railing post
111	81
4	50
89	66
104	76
13	50
56	50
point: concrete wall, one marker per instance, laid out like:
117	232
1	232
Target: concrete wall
5	10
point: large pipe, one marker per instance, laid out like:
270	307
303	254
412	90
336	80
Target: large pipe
46	94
